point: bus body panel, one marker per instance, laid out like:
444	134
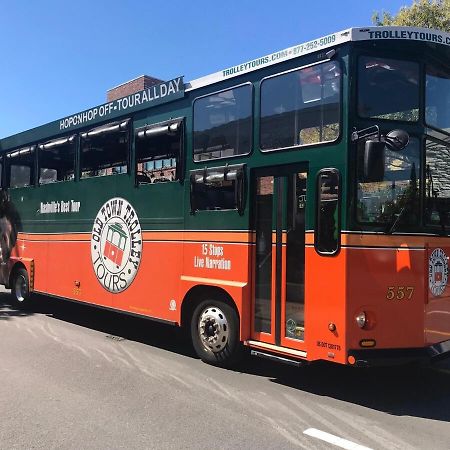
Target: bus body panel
387	284
325	298
172	263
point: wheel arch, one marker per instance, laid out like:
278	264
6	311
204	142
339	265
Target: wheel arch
16	264
202	292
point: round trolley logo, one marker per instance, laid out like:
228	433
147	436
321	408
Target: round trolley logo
116	245
438	272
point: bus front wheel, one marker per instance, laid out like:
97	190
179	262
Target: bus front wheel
215	333
20	288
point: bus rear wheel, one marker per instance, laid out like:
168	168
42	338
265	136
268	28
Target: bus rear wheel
215	333
20	288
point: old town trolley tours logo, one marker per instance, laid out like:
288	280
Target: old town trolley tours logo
438	272
116	245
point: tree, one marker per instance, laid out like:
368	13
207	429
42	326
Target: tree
422	13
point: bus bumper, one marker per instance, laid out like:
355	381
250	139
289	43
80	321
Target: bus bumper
399	356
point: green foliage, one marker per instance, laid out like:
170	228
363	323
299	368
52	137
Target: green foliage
422	13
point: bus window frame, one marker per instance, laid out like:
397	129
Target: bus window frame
252	126
381	54
433	227
381	226
431	62
341	107
75	139
330	170
239	186
79	149
180	167
33	147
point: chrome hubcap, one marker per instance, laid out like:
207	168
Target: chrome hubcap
213	329
20	288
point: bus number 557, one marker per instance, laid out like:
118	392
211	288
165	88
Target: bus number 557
400	292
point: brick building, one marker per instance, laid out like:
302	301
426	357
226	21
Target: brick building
130	87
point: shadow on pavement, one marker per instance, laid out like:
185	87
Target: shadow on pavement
115	325
7	311
405	390
401	391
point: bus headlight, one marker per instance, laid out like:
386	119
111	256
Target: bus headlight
361	319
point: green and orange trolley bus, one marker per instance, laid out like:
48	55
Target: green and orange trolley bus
297	204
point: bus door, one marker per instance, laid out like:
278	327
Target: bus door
279	293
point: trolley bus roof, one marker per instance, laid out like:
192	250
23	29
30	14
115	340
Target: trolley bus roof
324	43
173	89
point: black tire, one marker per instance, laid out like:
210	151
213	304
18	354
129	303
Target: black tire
20	288
215	333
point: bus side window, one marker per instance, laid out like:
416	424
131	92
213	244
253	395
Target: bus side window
223	124
159	152
218	188
105	150
56	160
302	107
327	231
20	167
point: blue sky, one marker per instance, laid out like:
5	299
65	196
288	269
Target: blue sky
60	57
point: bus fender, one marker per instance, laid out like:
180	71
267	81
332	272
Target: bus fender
237	295
27	263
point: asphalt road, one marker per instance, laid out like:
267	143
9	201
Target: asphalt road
74	377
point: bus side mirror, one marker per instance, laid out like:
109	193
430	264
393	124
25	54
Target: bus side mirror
397	140
374	161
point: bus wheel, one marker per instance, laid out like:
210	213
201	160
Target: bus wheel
20	288
215	333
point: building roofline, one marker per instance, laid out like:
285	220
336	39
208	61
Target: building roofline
130	81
